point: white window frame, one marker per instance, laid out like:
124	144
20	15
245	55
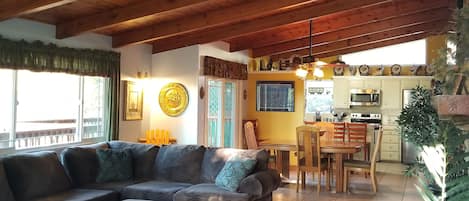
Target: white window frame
79	126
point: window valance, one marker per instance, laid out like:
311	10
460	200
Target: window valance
38	56
225	69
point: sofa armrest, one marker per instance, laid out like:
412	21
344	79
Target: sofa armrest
260	183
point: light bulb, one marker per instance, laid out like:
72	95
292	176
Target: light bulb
318	72
300	72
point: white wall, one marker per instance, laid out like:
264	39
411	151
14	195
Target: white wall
133	58
182	66
221	50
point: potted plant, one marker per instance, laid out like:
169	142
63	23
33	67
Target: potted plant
454	78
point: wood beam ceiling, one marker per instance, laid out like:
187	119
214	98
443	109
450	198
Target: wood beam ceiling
336	21
388	42
258	24
367	39
15	8
355	31
120	15
246	10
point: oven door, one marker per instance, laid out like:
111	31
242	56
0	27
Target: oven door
364	97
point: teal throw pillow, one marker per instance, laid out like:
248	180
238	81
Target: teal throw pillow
233	172
114	165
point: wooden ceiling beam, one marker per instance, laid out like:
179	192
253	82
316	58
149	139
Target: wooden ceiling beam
384	43
336	21
341	34
258	24
369	38
120	15
236	13
15	8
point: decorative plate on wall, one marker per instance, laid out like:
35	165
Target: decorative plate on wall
364	70
396	69
339	70
173	99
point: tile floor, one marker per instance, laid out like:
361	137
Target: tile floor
392	186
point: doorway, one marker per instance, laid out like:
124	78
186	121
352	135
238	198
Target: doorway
221	113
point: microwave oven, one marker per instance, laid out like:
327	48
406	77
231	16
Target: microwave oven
365	97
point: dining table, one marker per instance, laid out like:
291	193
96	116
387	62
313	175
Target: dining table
337	148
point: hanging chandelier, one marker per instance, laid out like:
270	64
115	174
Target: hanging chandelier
309	62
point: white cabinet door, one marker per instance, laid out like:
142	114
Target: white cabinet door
356	83
341	93
409	83
391	94
374	83
426	83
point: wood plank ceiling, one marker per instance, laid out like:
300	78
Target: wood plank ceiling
276	28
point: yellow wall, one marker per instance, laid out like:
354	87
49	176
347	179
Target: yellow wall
280	126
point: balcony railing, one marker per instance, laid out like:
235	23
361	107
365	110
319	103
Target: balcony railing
33	134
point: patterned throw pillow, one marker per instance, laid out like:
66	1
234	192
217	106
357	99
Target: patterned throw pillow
233	172
114	165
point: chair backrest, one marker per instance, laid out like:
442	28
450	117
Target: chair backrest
339	131
307	146
250	136
356	132
376	150
328	127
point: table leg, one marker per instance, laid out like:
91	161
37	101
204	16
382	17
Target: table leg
339	173
283	163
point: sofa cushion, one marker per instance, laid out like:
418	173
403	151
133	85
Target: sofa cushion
35	175
204	192
113	186
5	191
179	163
114	165
215	158
82	163
153	190
233	172
82	195
143	156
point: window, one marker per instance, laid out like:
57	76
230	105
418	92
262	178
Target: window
45	109
406	53
275	96
318	96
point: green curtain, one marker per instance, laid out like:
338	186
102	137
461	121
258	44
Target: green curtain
40	57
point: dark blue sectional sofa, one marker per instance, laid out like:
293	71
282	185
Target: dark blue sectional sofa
167	173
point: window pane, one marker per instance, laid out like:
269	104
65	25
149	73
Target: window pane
406	53
47	109
6	108
93	108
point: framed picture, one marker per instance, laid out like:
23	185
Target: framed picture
133	102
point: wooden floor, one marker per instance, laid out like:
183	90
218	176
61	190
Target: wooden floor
392	186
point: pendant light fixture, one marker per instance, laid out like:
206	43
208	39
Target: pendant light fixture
309	62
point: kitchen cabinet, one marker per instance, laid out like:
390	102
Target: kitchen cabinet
341	92
372	83
426	83
356	83
391	144
409	83
391	94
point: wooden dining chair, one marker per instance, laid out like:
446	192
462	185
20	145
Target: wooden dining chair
339	131
309	156
366	167
253	143
356	132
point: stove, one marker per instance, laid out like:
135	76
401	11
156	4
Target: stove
371	118
374	124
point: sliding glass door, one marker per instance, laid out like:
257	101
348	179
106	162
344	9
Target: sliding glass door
222	112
